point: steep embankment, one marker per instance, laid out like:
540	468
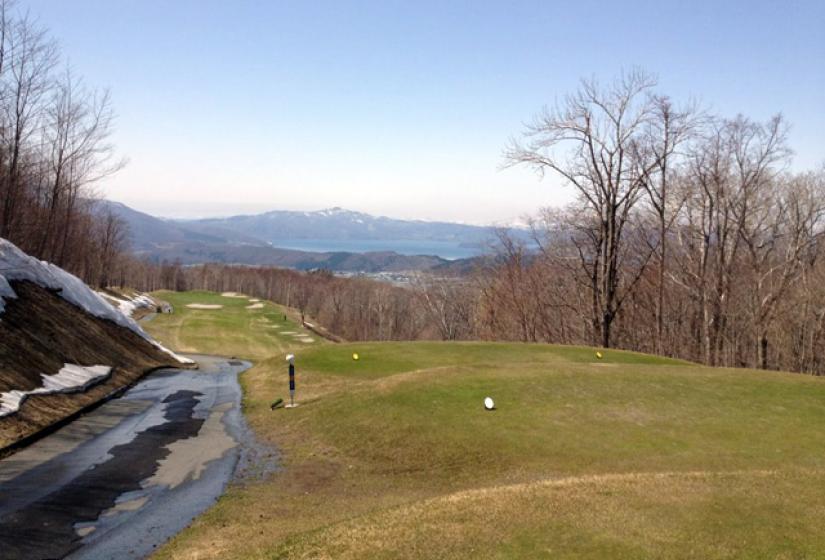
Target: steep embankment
62	346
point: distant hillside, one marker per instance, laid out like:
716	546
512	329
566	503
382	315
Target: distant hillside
253	240
338	223
147	232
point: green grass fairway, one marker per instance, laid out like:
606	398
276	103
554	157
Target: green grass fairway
631	456
232	330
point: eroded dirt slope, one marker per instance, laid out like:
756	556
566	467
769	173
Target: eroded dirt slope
39	333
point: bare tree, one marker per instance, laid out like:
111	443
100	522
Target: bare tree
781	238
75	134
113	242
447	303
602	129
27	61
668	130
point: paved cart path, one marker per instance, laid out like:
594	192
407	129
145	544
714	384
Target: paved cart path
124	478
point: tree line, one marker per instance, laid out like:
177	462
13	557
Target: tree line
689	236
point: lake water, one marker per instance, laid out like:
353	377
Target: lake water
445	249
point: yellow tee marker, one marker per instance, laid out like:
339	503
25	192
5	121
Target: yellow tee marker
355	356
599	355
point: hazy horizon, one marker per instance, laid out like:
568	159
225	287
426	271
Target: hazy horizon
398	109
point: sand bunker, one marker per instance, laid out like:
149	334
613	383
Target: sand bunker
203	306
235	295
255	306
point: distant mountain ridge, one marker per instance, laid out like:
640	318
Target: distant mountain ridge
253	239
337	223
147	232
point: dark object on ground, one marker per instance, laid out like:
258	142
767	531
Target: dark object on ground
277	404
323	333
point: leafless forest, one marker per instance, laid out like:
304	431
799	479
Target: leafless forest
691	235
53	149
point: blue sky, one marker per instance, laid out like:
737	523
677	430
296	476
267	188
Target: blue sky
402	108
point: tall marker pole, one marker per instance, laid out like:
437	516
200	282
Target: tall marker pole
291	359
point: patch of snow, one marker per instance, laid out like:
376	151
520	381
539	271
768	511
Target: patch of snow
127	305
17	265
255	306
163	348
5	291
335	211
70	379
204	306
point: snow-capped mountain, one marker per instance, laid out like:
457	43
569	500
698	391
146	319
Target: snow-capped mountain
338	223
334	238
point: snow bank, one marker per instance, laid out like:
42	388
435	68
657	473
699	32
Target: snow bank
70	379
164	349
127	305
17	265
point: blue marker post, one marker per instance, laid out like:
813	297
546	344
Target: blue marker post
291	359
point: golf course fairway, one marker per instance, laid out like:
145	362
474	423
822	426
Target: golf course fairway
394	456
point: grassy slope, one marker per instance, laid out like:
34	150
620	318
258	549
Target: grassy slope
230	331
632	456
